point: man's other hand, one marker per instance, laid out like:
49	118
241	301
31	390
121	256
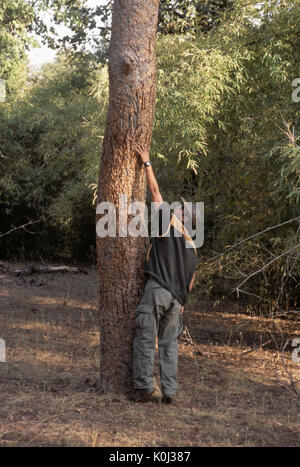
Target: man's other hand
181	310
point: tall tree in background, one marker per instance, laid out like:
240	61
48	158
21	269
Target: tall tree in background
132	93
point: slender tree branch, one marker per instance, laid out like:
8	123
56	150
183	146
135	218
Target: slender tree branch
265	266
21	227
252	236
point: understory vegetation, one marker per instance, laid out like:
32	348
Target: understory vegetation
226	133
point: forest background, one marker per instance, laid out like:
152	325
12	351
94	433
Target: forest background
226	133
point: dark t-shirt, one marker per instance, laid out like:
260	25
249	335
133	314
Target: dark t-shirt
171	262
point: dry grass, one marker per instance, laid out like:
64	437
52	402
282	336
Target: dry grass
48	386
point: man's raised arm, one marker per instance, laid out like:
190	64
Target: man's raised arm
151	180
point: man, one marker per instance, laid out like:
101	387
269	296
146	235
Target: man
171	269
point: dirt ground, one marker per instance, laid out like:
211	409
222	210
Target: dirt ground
234	389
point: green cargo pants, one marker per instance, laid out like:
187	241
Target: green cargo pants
158	314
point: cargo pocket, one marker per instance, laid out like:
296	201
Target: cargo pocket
144	317
179	322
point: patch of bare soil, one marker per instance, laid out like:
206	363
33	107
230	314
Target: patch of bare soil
234	389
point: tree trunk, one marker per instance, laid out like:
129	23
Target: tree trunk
132	93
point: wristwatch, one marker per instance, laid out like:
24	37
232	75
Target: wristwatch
147	163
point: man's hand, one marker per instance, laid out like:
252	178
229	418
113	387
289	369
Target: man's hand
143	152
181	310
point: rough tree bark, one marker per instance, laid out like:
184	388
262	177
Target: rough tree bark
132	93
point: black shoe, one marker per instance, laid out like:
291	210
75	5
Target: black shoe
167	399
144	395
